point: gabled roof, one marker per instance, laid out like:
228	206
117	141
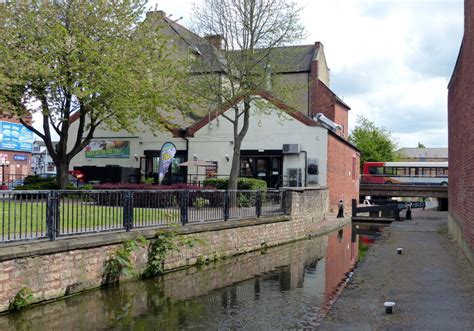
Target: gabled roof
288	59
293	58
212	57
295	114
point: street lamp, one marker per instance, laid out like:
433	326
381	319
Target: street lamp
3	165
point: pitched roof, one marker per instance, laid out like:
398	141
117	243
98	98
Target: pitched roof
297	115
423	152
288	59
293	58
212	57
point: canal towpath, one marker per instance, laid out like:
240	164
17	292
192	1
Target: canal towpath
431	282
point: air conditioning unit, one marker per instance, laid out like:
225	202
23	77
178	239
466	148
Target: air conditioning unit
291	148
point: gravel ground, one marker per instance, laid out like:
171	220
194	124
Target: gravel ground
432	283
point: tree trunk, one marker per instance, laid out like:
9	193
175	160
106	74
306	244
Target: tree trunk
62	177
238	138
234	171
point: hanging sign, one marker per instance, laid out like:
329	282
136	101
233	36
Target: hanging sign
168	151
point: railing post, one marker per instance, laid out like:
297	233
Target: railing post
226	205
183	203
128	210
258	203
52	215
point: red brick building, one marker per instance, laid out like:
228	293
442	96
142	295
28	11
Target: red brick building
461	140
343	172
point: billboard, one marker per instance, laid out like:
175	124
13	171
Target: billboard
101	149
15	137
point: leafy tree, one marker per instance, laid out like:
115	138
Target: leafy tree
420	145
250	30
91	61
375	143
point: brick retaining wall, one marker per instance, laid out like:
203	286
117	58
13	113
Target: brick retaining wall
55	269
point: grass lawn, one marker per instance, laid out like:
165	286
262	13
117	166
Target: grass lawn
28	219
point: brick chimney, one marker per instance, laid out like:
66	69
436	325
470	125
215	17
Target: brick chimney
215	40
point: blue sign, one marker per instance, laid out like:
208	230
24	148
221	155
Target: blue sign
19	157
15	137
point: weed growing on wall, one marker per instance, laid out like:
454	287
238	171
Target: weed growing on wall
120	265
165	241
23	298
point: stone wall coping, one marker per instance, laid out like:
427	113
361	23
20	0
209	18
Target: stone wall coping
303	189
64	244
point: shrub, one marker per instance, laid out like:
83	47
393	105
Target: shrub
51	185
218	183
139	186
37	179
242	183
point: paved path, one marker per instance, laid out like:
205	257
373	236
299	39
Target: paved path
432	283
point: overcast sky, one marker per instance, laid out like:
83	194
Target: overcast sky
390	60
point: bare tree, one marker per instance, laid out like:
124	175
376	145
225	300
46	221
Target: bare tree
250	30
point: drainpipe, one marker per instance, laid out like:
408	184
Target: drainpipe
305	166
183	132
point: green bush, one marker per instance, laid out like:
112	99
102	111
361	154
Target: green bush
251	184
217	183
38	183
242	183
32	179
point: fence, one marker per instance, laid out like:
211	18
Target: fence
32	215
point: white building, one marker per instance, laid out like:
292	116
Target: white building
284	145
41	161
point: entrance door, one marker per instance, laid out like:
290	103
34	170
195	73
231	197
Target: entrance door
267	168
276	177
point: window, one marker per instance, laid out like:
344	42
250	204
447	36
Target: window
390	171
246	167
402	171
375	170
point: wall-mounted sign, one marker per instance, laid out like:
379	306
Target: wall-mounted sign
20	157
99	149
15	137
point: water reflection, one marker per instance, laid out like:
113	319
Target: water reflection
367	234
287	287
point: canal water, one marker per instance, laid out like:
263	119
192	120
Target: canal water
286	287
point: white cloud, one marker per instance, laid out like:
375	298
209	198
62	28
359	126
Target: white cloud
390	60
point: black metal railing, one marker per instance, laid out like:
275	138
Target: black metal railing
28	215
